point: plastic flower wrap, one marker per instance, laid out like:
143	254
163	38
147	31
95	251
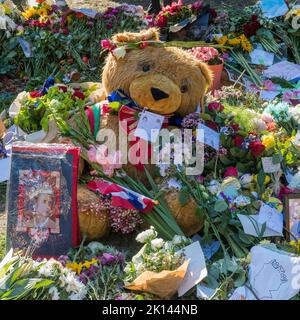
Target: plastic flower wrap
158	261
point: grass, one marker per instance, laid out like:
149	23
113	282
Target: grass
2	245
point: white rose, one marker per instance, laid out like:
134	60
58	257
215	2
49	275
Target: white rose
119	53
157	243
145	235
214	187
54	293
246	179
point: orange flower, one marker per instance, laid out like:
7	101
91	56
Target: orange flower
40	1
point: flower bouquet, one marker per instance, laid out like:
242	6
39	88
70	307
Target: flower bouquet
34	112
22	278
159	267
212	57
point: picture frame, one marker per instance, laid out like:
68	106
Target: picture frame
292	215
42	199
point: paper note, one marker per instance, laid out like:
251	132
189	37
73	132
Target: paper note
269	166
26	47
241	293
204	292
252	227
260	56
272	218
149	126
274	274
88	12
268	95
196	270
210	136
284	69
273	8
4	169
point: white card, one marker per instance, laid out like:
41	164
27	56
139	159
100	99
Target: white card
252	227
26	47
273	8
88	12
268	95
196	271
272	218
283	69
274	274
4	169
204	292
149	126
269	166
260	56
211	137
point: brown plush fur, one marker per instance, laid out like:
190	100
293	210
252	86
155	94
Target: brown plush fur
172	70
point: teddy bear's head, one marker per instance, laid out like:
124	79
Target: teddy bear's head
162	79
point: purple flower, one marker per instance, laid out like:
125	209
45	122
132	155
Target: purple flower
107	258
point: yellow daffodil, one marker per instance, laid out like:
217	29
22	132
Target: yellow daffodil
268	141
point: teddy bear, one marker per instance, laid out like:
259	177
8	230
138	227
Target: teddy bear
165	81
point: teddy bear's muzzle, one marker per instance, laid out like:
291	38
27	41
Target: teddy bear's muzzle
156	92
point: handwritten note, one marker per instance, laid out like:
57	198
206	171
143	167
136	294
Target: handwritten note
4	169
272	218
253	227
210	136
284	69
269	166
273	8
196	270
260	56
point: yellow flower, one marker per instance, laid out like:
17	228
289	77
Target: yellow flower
234	41
267	179
74	266
42	12
295	245
88	264
47	6
222	40
268	141
29	13
69	18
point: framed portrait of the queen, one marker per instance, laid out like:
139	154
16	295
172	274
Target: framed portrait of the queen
292	215
42	202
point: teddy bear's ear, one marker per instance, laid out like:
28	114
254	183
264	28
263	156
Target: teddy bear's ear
206	73
144	35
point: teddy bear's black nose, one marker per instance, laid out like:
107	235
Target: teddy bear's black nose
157	94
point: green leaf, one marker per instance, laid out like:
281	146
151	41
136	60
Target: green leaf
220	206
183	197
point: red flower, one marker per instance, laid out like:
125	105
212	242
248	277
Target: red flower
215	106
65	31
161	21
63	88
85	59
251	27
238	141
213	13
235	127
212	125
231	172
35	94
271	126
143	45
257	148
77	93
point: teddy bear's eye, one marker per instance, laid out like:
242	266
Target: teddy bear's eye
146	67
184	88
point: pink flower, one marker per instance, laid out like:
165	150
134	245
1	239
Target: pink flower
204	54
267	118
269	85
105	44
231	172
143	45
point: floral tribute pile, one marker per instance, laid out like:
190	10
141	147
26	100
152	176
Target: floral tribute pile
242	196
